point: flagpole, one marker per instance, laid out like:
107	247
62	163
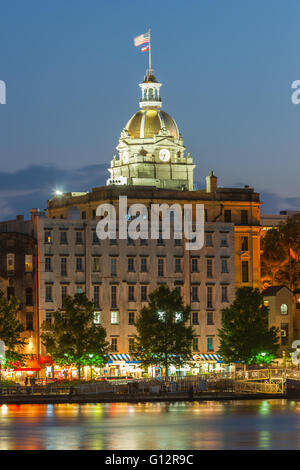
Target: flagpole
149	50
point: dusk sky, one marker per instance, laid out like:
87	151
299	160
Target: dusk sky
72	75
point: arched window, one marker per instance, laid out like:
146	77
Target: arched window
284	309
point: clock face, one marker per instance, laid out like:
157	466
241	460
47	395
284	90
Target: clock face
164	155
125	156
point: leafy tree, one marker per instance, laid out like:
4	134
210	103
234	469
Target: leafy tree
281	254
245	335
274	254
163	338
11	328
73	338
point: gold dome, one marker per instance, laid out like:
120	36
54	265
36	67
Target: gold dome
146	124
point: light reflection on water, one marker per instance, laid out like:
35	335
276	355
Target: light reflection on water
249	424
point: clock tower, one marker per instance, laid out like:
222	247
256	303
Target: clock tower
150	148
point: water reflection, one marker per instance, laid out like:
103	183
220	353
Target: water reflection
249	424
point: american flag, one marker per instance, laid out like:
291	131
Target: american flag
142	39
145	48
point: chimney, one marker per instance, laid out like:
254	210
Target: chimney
211	183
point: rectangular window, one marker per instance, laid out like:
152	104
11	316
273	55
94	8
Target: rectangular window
244	217
160	267
93	214
195	297
131	344
177	242
48	294
209	268
143	241
143	265
29	321
195	318
97	318
96	264
194	265
209	297
63	238
63	266
178	288
49	317
79	290
113	241
48	236
227	215
79	264
178	265
210	318
131	318
130	263
29	296
113	296
245	271
224	241
114	318
114	344
95	239
131	294
113	266
224	266
195	344
210	344
10	259
97	296
209	239
28	264
79	238
48	267
63	295
224	294
144	293
244	243
83	215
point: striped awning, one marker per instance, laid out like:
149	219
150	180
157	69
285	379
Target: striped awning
136	359
122	358
206	357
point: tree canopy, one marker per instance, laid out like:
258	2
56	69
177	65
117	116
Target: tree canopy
281	254
11	328
72	338
245	335
163	336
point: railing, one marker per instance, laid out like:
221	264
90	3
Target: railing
254	381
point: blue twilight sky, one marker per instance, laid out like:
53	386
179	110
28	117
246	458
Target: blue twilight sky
72	77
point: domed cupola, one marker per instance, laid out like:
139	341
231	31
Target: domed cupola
151	150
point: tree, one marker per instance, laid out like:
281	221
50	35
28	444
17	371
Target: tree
274	253
73	338
245	335
281	254
11	328
163	338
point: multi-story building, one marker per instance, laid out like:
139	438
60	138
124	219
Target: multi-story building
117	274
17	276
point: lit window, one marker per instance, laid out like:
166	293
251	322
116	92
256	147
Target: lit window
114	318
10	262
284	309
97	318
28	264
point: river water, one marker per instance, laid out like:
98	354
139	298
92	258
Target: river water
250	424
